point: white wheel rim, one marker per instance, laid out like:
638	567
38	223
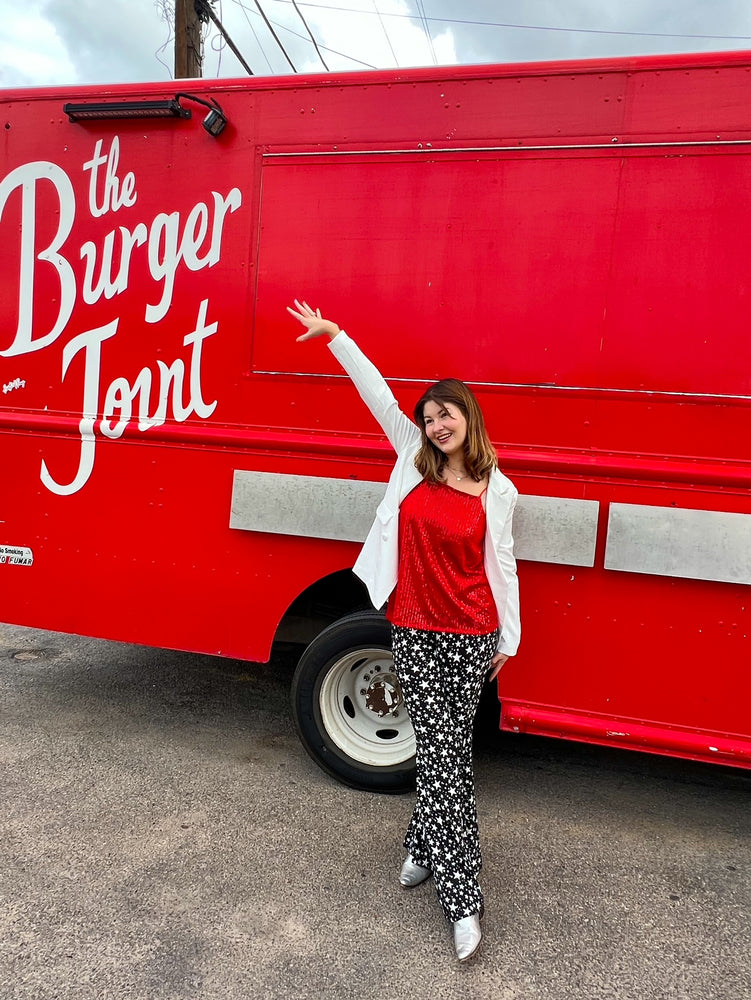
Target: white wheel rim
351	688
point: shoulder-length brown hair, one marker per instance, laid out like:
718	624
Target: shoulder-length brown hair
479	454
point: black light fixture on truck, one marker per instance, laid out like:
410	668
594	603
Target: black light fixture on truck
214	122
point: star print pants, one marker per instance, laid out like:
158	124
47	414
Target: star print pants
441	675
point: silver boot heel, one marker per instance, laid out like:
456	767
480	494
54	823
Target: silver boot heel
412	874
467	936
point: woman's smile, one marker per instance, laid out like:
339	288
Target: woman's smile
445	426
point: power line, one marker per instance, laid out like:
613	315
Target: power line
315	43
426	26
204	6
291	31
276	37
375	8
526	27
244	9
167	13
222	42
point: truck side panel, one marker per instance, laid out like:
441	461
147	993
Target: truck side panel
568	239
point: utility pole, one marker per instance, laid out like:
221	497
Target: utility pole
188	55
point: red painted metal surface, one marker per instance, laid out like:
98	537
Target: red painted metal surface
571	238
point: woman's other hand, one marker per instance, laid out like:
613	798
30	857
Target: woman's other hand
495	665
311	319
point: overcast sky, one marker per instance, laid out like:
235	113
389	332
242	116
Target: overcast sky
58	42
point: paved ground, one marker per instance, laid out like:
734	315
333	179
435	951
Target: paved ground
164	835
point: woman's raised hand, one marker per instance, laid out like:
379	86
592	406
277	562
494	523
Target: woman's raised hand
311	319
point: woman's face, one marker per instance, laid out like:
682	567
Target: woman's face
445	426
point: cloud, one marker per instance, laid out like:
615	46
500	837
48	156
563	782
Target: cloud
536	38
109	42
353	36
385	35
56	42
31	51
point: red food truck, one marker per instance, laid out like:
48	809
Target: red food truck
568	238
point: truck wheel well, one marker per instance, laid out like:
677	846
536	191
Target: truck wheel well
322	603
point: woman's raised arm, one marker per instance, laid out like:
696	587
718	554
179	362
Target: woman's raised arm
370	384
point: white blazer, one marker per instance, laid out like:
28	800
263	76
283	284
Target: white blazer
378	563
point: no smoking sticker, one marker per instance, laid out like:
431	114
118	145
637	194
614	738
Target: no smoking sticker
16	555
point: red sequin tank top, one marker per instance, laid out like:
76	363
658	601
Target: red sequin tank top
442	586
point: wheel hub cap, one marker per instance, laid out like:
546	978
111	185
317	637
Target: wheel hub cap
383	697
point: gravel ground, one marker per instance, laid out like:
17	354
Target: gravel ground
164	835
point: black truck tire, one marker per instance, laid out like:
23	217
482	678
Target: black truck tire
348	706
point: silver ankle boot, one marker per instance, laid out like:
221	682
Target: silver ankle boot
467	936
412	874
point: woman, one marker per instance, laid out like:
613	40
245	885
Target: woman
441	551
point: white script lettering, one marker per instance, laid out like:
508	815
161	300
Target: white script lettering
168	243
165	254
16	383
26	178
161	248
121	397
112	197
